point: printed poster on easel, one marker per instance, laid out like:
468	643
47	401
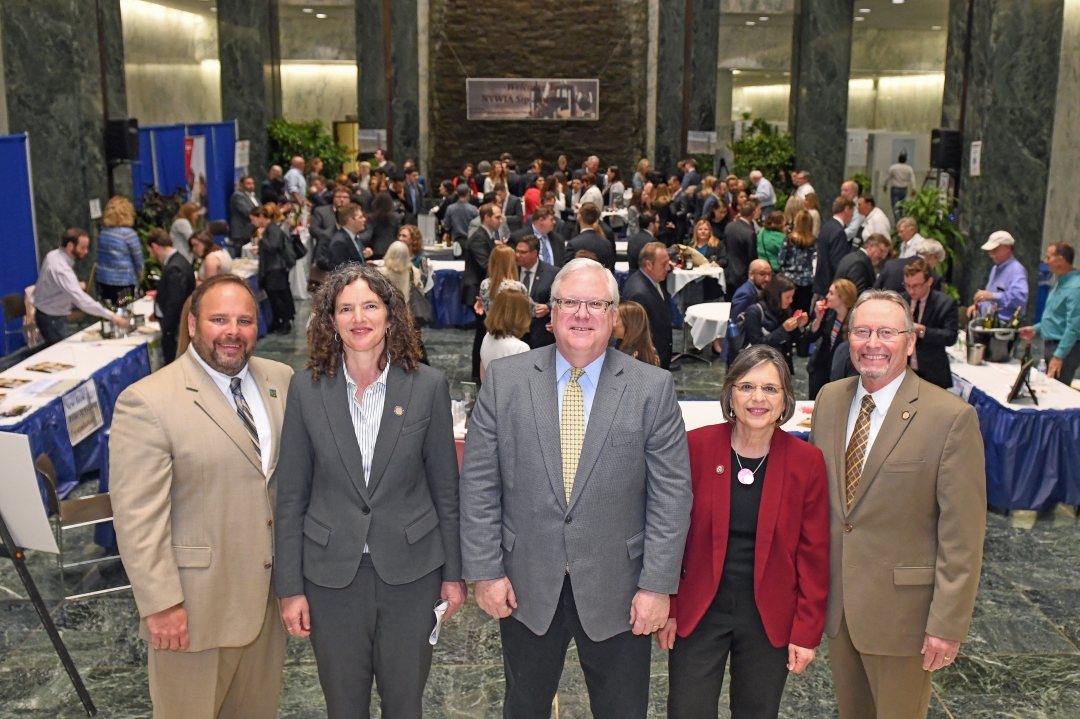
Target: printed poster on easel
82	412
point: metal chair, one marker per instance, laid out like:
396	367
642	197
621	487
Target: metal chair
14	309
71	513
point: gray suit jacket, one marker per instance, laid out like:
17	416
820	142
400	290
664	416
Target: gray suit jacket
629	512
240	207
327	513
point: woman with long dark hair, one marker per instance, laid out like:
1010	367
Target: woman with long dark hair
770	321
366	529
384	223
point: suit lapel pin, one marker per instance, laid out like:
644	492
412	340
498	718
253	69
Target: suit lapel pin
273	393
398	410
905	415
719	469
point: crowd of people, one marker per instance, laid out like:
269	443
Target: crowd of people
582	509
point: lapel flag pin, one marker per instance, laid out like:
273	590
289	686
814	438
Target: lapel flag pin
719	469
906	415
273	393
398	410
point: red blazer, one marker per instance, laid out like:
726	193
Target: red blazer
791	561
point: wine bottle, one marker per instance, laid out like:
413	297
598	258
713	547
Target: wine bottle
1014	323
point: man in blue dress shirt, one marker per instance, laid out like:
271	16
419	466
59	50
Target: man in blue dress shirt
1008	283
1060	325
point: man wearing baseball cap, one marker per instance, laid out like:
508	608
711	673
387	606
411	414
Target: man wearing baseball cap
1008	284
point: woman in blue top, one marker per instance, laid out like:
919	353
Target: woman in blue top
119	253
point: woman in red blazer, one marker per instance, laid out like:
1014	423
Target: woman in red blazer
755	579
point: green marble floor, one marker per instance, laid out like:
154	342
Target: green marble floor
1022	659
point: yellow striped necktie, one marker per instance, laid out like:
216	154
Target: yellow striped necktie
572	429
244	411
856	449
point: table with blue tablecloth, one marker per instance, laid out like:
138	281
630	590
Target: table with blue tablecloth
1032	452
111	364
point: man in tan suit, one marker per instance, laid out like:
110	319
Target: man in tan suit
193	448
907	493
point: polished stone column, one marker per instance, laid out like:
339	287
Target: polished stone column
671	46
371	73
115	95
956	50
1011	97
820	68
1062	220
706	35
405	89
53	89
250	73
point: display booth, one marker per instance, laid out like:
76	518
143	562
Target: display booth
19	268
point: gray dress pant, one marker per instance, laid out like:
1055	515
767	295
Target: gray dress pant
373	630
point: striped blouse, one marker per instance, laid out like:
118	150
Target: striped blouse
366	417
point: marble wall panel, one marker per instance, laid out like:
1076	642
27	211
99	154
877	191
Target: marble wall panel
669	84
167	94
955	51
405	89
53	88
890	52
706	30
158	34
1062	210
821	63
115	86
306	37
754	7
318	91
755	48
1011	97
766	101
250	80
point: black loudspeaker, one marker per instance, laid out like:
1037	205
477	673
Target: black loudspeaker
946	149
121	140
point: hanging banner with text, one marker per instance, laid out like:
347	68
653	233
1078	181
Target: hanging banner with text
532	99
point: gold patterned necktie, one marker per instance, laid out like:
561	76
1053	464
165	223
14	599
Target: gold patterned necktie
244	411
572	429
856	449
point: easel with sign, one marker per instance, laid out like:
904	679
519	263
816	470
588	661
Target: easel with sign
20	501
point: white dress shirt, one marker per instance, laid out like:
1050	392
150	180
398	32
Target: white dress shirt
765	193
253	398
877	222
57	292
804	190
907	249
295	184
882	401
593	195
366	417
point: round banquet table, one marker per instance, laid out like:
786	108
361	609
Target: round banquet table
708	321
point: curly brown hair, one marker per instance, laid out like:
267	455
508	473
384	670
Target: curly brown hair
324	343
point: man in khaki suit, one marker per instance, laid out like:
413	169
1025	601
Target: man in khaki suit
908	504
192	449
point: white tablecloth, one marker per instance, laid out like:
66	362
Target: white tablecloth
996	380
456	265
708	321
621	246
86	358
698	413
678	278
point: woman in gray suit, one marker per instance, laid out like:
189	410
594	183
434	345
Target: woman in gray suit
367	505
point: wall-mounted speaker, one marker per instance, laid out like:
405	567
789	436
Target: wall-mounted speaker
121	140
946	150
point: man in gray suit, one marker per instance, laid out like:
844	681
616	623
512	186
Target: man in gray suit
242	202
575	504
322	226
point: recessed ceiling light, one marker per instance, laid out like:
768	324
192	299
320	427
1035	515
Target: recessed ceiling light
864	10
307	9
763	19
751	22
859	18
787	74
213	9
897	2
736	72
935	27
320	15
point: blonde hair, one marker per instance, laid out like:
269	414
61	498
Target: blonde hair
802	234
397	266
502	266
510	315
792	208
119	212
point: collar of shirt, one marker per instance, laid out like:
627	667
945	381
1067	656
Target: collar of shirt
68	259
222	380
350	233
533	268
655	284
588	381
883	399
353	386
252	396
538	233
168	257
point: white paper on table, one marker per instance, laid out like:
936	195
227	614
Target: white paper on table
20	497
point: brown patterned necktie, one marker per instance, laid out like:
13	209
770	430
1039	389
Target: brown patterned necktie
572	429
856	449
244	411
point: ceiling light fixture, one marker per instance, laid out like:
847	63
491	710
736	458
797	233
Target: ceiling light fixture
736	72
864	10
935	27
859	18
213	9
763	19
751	22
897	2
307	9
320	15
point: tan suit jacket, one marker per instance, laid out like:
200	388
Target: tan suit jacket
192	508
906	557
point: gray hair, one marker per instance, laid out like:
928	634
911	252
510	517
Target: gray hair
584	264
888	296
748	359
907	221
930	247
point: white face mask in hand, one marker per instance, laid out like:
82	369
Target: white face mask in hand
440	609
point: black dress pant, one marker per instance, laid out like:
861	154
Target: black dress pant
481	332
616	669
731	626
373	630
278	292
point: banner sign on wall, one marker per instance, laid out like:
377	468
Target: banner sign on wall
195	168
532	99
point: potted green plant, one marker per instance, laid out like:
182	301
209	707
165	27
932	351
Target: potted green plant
932	210
307	140
764	148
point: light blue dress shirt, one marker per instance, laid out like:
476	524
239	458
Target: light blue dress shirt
545	246
1008	284
587	381
1061	316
